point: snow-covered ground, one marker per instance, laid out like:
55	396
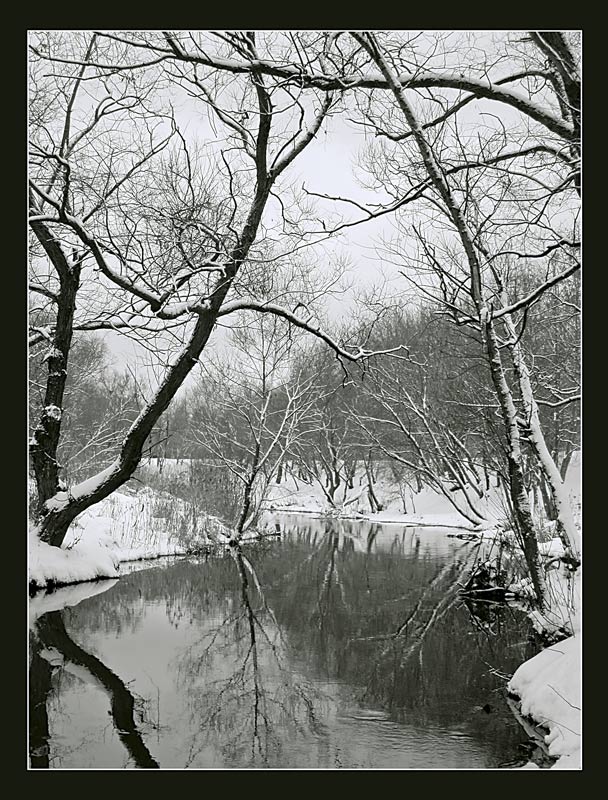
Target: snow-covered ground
401	504
548	687
122	528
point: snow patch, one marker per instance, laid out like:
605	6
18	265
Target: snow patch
85	561
549	690
54	412
120	528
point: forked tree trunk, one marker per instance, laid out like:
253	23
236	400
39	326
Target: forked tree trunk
566	526
517	485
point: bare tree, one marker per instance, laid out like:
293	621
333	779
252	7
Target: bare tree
173	253
408	432
250	411
479	309
190	249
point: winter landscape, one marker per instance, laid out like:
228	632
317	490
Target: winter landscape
304	400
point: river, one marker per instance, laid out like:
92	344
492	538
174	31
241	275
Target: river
334	645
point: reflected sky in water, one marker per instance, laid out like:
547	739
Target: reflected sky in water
337	645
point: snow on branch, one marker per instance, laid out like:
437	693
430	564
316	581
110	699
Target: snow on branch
558	403
533	296
482	88
36	287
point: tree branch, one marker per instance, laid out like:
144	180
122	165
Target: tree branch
533	296
270	308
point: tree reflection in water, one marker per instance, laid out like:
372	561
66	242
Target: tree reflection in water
261	700
406	643
276	646
50	644
40	687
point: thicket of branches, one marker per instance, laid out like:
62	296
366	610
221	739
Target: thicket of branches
166	230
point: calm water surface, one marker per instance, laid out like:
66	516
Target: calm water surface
339	645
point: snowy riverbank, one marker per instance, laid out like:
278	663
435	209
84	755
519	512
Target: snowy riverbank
149	524
547	688
401	505
122	528
548	691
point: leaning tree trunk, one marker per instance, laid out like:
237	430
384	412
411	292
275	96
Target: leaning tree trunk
61	510
517	485
58	512
565	518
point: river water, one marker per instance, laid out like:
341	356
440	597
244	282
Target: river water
335	645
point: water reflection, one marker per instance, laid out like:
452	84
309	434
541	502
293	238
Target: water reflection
333	647
239	681
53	646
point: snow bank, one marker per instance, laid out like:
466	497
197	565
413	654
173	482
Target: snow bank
122	528
436	520
548	687
563	616
85	561
401	504
447	520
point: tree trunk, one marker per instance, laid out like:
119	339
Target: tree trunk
563	468
519	495
548	504
46	436
245	508
40	688
566	525
374	505
516	476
